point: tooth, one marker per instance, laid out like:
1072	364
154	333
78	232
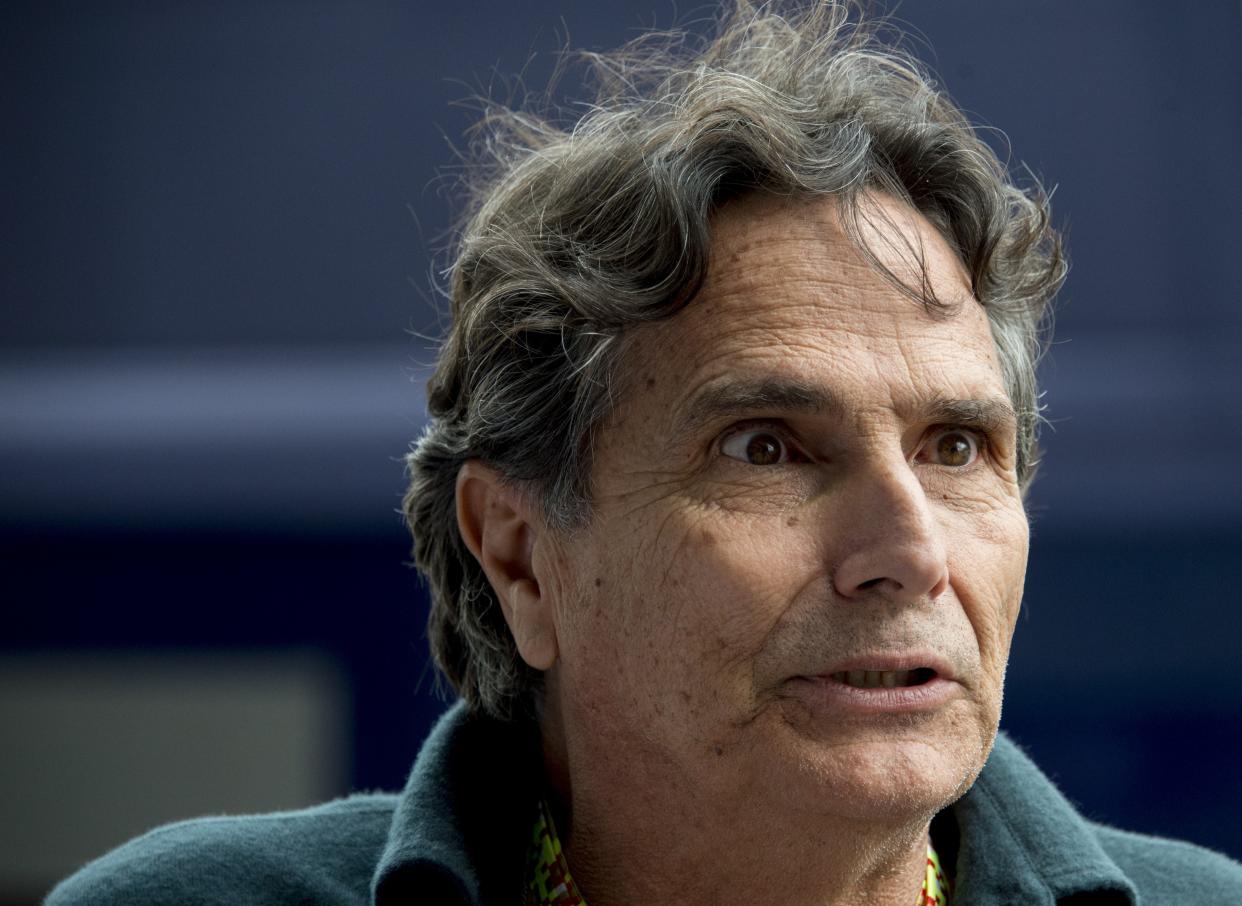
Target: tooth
872	679
839	676
888	678
856	677
903	678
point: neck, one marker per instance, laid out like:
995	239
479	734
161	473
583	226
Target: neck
725	856
633	840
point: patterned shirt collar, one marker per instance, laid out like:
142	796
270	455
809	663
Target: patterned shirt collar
549	882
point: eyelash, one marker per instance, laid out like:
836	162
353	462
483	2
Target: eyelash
794	450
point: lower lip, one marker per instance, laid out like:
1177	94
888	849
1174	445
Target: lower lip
824	692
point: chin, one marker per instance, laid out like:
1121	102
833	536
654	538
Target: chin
892	779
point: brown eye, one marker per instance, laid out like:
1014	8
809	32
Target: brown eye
758	448
954	449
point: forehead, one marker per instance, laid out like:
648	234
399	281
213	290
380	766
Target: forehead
789	294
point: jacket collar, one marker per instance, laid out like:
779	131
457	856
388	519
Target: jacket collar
461	827
1022	841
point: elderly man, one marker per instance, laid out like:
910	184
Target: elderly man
721	507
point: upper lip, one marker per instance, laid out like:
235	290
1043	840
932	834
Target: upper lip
891	661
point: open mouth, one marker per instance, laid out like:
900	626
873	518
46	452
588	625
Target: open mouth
884	679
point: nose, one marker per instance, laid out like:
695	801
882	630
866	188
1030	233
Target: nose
887	538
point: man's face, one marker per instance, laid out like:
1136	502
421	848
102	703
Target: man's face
807	547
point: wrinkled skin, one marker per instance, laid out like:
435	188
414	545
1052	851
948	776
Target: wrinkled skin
710	582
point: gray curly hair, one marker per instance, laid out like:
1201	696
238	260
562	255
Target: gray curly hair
577	234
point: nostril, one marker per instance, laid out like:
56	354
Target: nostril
870	583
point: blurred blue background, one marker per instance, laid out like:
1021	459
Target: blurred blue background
218	236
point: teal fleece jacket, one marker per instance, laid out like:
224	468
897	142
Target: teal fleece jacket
458	835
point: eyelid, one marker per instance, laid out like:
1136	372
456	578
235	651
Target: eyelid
775	425
972	430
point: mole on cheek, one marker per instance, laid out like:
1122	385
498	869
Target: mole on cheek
598	581
792	521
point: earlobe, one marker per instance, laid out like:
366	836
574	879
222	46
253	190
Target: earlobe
500	527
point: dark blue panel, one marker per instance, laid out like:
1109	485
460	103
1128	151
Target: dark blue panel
351	598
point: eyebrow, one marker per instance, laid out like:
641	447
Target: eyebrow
734	398
991	415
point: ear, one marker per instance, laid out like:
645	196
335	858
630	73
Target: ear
500	527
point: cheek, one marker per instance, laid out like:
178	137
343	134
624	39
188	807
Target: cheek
740	569
692	607
991	568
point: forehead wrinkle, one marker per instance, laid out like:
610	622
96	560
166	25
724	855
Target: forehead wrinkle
791	292
914	253
820	286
